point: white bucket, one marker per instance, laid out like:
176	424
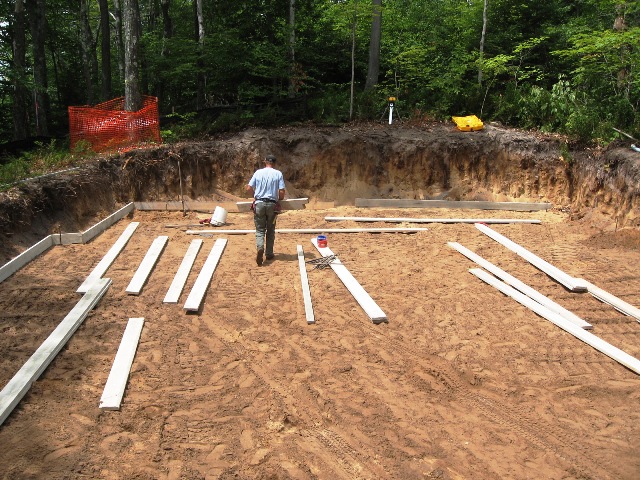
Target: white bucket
219	216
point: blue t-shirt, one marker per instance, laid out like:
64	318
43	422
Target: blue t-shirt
266	182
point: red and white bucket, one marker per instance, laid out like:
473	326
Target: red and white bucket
322	241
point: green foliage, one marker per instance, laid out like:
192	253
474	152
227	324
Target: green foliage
552	65
46	158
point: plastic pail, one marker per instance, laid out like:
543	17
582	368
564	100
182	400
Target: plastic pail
219	216
322	241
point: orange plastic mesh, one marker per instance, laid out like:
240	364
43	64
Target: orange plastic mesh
107	126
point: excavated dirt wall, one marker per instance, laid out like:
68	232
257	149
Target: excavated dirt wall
339	165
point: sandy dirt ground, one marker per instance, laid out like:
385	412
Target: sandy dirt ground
462	382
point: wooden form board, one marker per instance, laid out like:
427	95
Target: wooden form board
148	262
204	278
614	301
306	292
589	338
19	385
25	257
314	230
408	203
109	258
101	226
190	206
286	204
119	374
521	286
177	285
367	303
573	284
433	220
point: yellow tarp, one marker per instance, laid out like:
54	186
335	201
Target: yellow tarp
468	123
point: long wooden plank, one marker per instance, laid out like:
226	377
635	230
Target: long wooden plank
190	206
521	286
204	278
306	292
102	225
286	204
119	374
177	285
367	303
19	385
614	301
573	284
109	258
25	257
615	353
148	262
433	220
409	203
314	230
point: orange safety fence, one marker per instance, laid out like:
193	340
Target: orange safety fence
108	126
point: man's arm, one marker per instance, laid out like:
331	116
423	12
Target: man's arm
281	193
250	190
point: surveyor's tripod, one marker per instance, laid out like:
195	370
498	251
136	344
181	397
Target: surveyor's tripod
391	110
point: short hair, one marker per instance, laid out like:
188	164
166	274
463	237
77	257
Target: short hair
270	159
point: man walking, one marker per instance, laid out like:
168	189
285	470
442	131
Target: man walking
267	188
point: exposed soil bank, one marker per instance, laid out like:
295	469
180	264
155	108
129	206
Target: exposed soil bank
339	164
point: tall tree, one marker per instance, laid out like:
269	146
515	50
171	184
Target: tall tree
105	49
20	92
117	15
200	62
89	59
292	48
37	21
374	46
482	37
131	31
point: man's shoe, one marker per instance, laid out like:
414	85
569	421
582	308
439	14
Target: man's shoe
270	256
259	256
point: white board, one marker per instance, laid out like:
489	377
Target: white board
176	287
480	205
432	220
370	307
119	374
204	278
19	385
589	338
521	286
306	292
109	258
148	262
614	301
573	284
315	230
25	257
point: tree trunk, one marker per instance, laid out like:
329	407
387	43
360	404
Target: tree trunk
89	60
105	48
200	62
620	25
292	49
167	32
131	20
117	15
482	37
37	21
20	91
374	46
353	57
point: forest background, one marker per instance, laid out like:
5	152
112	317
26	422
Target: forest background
571	67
